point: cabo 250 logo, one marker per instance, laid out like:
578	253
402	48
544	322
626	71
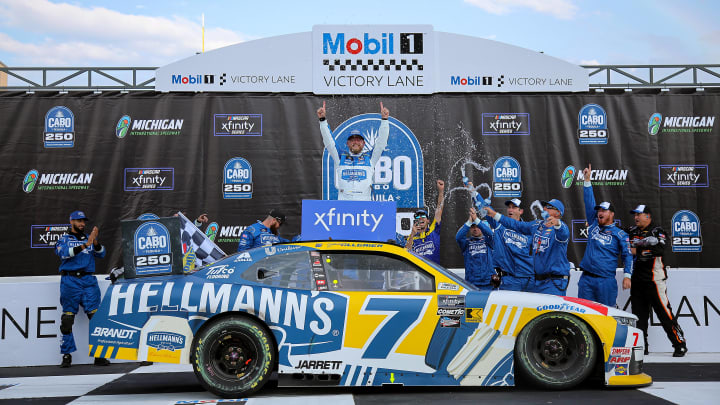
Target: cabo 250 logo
686	235
237	179
152	249
592	125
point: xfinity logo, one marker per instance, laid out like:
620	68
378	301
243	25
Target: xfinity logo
139	179
353	220
46	236
683	176
237	124
347	219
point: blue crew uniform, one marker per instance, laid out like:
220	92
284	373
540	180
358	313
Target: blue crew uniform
78	285
549	251
477	254
257	235
511	253
605	243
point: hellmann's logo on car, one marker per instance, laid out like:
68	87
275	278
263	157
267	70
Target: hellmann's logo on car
166	341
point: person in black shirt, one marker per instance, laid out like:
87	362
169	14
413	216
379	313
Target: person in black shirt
648	287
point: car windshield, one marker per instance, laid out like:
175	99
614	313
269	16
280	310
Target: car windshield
446	272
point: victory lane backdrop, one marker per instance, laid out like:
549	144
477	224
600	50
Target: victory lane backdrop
162	153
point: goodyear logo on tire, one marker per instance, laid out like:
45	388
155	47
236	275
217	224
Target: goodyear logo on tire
152	249
30	180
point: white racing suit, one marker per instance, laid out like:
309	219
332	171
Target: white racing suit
354	172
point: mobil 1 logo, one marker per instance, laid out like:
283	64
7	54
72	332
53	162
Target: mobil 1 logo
506	177
153	254
59	128
237	179
686	235
592	125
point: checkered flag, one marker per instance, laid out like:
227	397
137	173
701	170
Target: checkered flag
206	251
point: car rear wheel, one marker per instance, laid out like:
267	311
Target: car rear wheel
555	350
233	357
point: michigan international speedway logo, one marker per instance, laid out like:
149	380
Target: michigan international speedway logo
56	181
123	126
59	128
654	124
568	176
399	172
212	231
680	124
592	125
144	127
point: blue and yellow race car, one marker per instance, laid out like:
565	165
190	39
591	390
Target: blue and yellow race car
336	313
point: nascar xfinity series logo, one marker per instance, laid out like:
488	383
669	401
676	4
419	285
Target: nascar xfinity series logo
140	179
686	235
59	128
371	59
46	236
152	249
683	176
592	125
237	179
144	127
506	124
56	181
506	177
399	172
237	124
680	124
599	177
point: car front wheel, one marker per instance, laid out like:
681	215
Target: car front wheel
233	357
555	350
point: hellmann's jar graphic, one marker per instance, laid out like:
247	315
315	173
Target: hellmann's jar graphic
165	339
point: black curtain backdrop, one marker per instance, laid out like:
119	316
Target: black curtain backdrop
286	161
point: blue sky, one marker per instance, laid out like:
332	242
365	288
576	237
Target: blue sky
154	33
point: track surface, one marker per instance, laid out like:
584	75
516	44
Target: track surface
694	379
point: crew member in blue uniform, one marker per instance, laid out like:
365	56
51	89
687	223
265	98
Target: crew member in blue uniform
263	233
605	242
476	239
354	167
424	239
511	252
549	246
78	285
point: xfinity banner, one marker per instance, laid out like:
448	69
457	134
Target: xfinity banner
348	220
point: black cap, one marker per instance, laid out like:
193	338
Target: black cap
641	209
605	205
277	214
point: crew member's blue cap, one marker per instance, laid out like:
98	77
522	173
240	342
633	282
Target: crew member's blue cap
605	205
78	215
555	203
515	201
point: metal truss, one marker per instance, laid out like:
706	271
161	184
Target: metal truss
99	79
79	78
653	76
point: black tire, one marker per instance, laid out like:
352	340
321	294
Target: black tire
233	357
556	351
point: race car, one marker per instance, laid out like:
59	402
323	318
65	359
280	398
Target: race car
334	313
